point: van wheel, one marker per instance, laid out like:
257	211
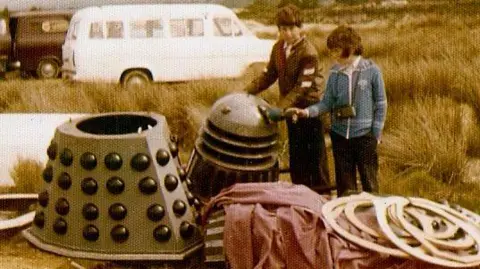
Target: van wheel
135	79
47	69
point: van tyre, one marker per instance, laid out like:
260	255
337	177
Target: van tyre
48	69
136	79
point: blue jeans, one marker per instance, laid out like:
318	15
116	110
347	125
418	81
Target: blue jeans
350	154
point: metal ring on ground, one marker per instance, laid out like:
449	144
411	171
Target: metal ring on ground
17	205
396	225
466	226
427	224
463	216
350	214
332	209
382	205
441	240
18	221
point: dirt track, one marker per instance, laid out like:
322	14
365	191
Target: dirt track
17	253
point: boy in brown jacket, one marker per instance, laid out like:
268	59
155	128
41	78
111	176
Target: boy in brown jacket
294	62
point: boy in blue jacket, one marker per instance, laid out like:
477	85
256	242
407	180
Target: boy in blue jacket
355	94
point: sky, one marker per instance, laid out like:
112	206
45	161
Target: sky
16	5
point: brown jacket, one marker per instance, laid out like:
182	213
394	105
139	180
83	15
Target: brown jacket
299	76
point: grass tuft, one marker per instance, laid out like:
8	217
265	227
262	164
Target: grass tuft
26	174
430	135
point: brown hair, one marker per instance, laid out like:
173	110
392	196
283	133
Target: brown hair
289	15
347	39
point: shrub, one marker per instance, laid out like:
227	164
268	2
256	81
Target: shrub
420	183
26	174
430	135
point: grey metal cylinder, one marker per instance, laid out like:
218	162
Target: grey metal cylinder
113	191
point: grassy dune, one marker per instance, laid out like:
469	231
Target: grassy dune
429	56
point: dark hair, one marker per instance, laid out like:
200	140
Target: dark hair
289	15
347	39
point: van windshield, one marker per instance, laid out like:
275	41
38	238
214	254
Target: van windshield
72	31
225	26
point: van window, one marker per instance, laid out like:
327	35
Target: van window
146	29
3	27
72	31
55	26
114	29
236	29
226	27
96	30
186	27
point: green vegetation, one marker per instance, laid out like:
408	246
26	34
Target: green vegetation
429	55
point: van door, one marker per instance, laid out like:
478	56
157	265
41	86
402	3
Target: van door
68	50
5	43
229	49
186	49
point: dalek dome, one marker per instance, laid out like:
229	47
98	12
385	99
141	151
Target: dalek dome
115	190
238	114
236	144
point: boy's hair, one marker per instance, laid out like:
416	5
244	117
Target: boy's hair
347	39
289	15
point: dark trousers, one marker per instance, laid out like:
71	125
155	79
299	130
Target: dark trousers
308	155
349	154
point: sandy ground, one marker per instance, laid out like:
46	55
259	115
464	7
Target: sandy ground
17	253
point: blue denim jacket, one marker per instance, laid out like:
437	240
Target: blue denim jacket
370	100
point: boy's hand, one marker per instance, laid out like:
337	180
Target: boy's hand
271	113
296	112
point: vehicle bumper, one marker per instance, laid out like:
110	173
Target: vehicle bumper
68	74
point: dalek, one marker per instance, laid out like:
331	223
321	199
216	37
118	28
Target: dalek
115	190
236	144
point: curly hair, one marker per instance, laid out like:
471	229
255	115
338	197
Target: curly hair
347	39
289	15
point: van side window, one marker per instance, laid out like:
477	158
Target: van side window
114	29
186	27
96	30
146	29
3	27
226	27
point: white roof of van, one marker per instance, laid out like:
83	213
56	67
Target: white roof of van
166	10
40	13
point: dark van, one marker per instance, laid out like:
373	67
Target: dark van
5	44
36	41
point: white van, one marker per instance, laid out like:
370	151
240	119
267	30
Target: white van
136	44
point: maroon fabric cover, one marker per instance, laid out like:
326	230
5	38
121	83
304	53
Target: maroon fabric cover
280	225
